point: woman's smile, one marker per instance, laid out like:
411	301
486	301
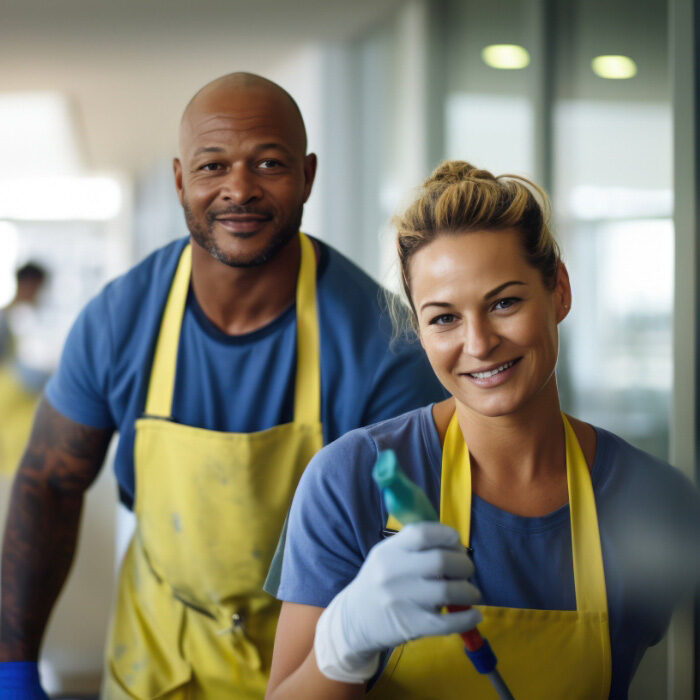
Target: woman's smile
493	376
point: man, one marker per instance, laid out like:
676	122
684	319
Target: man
224	362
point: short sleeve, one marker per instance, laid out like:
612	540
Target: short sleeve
79	387
334	521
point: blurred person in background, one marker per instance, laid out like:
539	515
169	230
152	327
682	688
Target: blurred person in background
224	361
581	544
23	369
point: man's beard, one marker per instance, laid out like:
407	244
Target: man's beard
204	237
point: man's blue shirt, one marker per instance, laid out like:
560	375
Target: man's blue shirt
241	383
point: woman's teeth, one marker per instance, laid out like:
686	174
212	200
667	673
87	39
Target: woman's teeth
491	372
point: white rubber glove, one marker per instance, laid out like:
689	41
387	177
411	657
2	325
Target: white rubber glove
396	596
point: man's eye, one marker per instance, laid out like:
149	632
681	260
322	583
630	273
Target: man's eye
211	167
269	163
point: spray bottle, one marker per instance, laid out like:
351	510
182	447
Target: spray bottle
409	504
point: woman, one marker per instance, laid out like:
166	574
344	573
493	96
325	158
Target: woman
568	524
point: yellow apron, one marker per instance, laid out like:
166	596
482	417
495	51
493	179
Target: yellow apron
553	654
17	406
191	619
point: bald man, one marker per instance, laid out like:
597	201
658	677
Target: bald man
225	361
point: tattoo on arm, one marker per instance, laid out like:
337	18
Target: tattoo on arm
60	462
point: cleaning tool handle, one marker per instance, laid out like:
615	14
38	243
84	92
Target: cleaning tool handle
472	639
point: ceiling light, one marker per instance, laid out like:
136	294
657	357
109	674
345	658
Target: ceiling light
614	67
505	56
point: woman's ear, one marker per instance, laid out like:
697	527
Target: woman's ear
562	292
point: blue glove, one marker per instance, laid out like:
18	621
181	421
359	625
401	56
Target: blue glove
396	596
19	680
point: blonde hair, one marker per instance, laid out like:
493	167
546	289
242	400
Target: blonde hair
459	197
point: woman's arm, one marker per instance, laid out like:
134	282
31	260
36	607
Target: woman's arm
395	597
294	672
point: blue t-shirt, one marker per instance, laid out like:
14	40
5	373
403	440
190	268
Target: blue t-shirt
648	517
242	383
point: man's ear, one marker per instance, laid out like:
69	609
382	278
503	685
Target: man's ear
562	292
310	164
177	171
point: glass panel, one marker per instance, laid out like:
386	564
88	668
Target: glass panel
612	204
489	112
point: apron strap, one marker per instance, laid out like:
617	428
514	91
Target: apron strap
307	395
307	399
160	389
456	482
589	574
455	510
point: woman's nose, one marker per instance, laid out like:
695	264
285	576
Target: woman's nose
481	338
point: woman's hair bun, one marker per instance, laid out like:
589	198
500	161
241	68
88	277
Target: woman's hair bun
459	197
454	171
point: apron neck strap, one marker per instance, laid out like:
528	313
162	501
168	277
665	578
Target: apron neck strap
160	388
589	574
307	399
307	395
456	482
455	510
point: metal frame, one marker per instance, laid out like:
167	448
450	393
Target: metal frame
684	26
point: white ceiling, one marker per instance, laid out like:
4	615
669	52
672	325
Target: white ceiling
129	66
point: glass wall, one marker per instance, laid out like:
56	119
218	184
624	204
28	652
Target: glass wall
601	146
612	195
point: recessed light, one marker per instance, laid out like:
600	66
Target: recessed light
614	67
505	56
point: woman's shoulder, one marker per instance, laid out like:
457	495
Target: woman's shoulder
642	493
649	512
617	457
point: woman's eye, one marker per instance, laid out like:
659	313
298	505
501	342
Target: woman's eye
507	303
442	320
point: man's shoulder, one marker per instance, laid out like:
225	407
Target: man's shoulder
344	278
347	292
134	290
153	273
392	433
130	302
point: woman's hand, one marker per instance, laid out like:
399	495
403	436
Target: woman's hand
396	596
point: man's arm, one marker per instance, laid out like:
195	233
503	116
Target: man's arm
62	459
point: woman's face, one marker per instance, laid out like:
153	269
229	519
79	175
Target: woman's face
486	321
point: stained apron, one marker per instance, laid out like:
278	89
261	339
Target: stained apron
553	654
191	618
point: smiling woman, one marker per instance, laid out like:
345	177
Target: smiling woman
487	321
557	513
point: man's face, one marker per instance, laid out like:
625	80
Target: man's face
243	176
